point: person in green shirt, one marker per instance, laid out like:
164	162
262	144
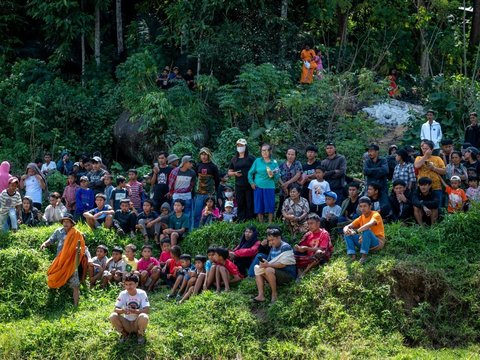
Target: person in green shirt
178	223
262	176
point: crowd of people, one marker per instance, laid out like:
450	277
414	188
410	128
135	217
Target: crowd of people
316	200
168	78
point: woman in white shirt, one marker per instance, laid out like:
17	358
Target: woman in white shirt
33	181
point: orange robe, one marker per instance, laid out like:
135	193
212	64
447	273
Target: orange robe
63	266
307	74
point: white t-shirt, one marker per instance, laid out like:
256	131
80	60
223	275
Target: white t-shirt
333	210
49	167
33	189
127	301
118	266
318	190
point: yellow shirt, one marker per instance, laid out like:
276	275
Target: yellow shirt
377	229
424	171
131	264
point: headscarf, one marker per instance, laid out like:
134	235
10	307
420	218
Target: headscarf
244	244
4	175
35	168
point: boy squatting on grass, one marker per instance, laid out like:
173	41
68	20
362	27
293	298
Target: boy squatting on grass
133	304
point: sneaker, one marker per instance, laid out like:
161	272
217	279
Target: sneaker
120	232
141	340
170	296
362	260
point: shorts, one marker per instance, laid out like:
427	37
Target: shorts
74	281
264	201
283	277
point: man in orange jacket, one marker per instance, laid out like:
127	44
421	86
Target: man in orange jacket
71	254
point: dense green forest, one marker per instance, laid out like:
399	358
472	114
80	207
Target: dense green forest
70	68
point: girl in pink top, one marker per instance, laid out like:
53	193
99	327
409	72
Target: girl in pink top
210	212
69	193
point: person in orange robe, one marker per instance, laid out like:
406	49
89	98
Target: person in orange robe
307	55
71	254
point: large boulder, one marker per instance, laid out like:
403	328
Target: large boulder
130	143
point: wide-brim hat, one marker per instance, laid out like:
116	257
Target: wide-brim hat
171	158
68	216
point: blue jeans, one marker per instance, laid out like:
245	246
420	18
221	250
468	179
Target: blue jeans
256	261
9	221
198	206
439	195
369	241
188	211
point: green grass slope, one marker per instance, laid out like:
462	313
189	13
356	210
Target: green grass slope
418	298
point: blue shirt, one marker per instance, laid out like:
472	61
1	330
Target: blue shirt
274	252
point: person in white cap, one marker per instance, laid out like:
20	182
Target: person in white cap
457	199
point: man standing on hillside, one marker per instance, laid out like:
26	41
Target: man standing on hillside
159	180
71	253
472	132
431	130
335	170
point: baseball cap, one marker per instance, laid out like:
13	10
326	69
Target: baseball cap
455	178
331	194
13	179
83	178
97	159
473	150
242	142
185	159
229	203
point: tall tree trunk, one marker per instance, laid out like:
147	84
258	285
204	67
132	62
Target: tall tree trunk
424	56
97	32
82	43
342	18
475	30
283	39
118	11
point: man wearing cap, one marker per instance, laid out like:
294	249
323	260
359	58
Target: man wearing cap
365	232
95	177
470	161
10	206
335	170
208	181
181	183
472	132
375	169
71	253
431	130
159	180
238	168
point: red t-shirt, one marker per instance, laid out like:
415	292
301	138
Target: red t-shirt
319	239
164	256
231	268
144	264
173	265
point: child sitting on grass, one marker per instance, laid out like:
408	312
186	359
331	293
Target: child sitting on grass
182	277
124	220
226	272
97	265
208	268
145	266
178	223
195	283
130	260
115	267
133	304
167	272
166	254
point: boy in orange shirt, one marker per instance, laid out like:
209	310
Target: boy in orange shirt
457	199
365	232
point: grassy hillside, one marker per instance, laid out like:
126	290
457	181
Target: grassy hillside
418	298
